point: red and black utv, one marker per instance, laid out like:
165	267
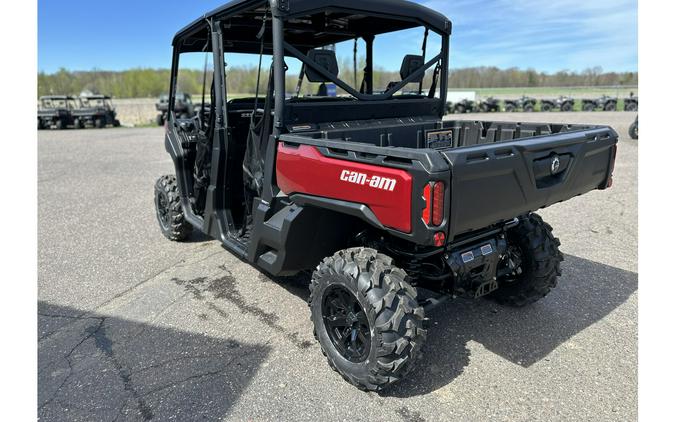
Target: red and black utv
370	188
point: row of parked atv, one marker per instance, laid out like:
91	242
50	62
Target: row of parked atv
64	111
527	104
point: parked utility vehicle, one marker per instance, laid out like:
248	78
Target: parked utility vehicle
604	103
374	192
490	104
182	106
55	111
95	110
523	103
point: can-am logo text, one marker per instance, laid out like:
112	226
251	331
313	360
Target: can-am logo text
377	182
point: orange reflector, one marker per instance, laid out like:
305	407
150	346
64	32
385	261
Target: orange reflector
438	204
439	239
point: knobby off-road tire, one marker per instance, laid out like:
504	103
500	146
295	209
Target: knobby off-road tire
509	108
78	124
588	107
169	210
540	263
630	107
633	130
566	107
528	108
99	123
389	303
546	107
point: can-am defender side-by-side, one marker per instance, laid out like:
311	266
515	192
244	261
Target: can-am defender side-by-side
370	189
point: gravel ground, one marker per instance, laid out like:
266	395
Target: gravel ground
134	327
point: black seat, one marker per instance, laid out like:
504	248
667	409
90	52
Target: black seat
324	58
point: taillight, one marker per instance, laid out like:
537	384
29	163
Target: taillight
426	214
438	203
434	197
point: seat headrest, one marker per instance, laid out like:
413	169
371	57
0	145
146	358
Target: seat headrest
325	59
410	64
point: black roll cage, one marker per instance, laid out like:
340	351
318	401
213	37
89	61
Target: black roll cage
283	12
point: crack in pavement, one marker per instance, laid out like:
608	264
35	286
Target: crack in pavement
89	333
105	344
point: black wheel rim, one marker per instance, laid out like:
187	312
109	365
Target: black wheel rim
346	324
163	209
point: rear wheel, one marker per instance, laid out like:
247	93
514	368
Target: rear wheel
61	124
566	107
630	107
78	124
546	107
528	108
40	124
99	123
366	317
509	108
460	109
169	210
588	107
116	123
610	107
160	120
533	252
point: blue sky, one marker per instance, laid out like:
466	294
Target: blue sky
545	35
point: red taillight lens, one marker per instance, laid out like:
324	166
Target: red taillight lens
438	203
434	207
426	214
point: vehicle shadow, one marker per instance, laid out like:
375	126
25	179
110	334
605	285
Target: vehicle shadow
585	294
97	367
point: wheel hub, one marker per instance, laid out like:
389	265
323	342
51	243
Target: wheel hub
346	324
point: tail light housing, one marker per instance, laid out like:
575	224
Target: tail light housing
434	196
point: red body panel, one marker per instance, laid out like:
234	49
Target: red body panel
386	191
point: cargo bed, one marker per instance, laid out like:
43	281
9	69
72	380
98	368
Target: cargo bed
495	170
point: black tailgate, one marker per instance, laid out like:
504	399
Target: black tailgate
499	181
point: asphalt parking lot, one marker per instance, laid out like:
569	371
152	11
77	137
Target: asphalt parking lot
134	327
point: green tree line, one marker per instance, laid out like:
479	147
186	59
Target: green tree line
143	82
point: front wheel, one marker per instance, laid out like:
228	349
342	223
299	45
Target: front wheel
366	317
99	123
546	107
169	210
566	107
533	253
528	108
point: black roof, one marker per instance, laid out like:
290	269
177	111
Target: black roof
351	18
